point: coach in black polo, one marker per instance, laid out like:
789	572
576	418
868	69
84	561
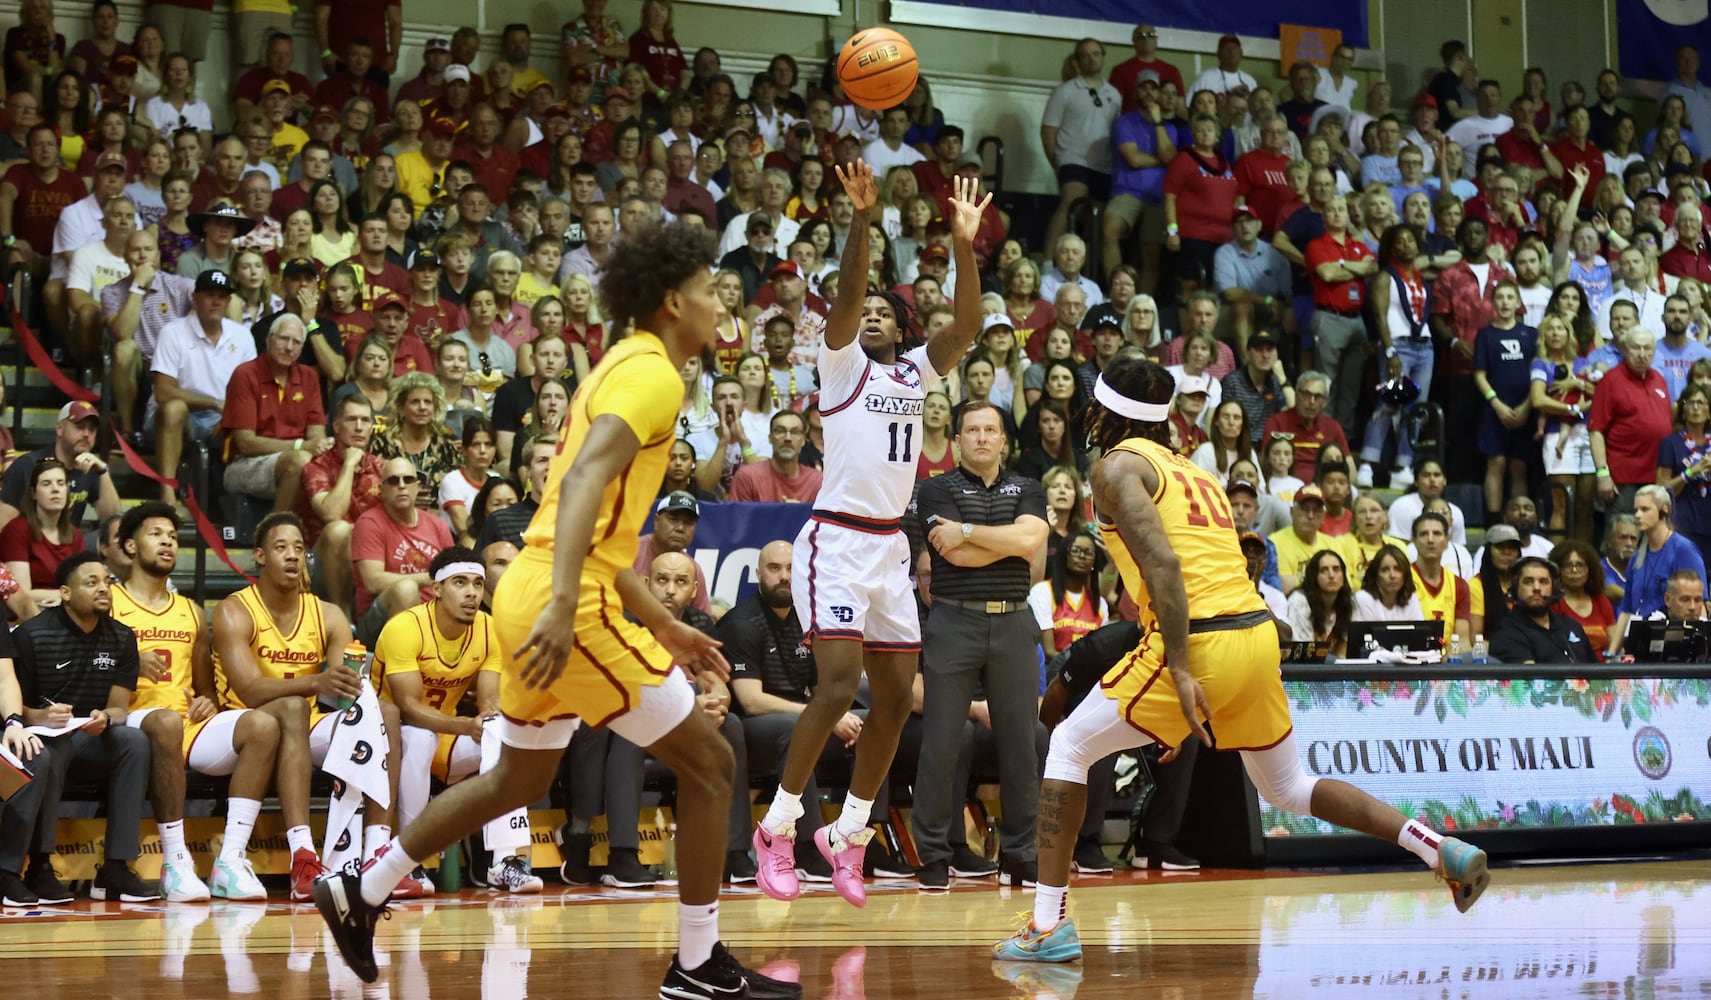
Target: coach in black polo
76	662
983	525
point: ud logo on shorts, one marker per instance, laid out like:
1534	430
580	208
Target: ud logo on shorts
338	788
843	615
362	753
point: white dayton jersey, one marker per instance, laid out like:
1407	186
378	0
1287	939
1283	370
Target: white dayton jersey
871	415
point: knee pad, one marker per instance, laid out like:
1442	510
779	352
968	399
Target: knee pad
1068	758
1289	789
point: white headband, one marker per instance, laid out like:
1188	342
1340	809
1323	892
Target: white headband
1123	406
460	569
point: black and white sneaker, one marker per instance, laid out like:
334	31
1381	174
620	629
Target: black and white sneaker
967	864
1090	859
880	862
722	977
625	871
351	919
114	881
1164	857
1022	874
934	876
513	874
812	866
739	868
13	891
43	883
575	848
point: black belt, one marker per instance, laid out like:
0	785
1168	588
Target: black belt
985	607
1230	623
1349	314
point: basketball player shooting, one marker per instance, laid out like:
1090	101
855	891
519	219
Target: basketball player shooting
1167	526
568	652
850	572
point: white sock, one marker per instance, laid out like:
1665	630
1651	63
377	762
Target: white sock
1422	840
172	843
240	822
374	838
1051	905
298	838
383	873
697	933
854	818
785	808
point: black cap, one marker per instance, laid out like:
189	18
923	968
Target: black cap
424	258
300	267
679	501
214	281
1262	338
1241	484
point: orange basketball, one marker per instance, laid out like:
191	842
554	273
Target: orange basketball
877	68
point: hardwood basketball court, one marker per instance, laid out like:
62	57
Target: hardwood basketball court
1592	930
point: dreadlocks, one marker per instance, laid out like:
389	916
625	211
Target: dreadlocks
1136	377
905	316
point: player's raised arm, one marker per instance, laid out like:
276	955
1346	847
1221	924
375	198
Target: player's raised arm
948	348
844	320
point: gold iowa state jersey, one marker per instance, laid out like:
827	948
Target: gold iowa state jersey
170	634
278	655
412	643
1196	516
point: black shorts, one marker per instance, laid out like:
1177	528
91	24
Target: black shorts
1097	184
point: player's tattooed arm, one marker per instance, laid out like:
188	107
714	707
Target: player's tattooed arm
1123	487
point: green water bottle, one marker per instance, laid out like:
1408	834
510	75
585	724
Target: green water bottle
356	659
451	868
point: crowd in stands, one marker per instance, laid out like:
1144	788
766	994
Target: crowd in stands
374	299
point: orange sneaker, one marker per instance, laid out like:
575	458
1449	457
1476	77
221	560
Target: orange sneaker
306	867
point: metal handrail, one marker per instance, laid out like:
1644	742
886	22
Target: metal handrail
993	179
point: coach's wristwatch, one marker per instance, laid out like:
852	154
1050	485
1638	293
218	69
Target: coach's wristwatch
12	720
967	532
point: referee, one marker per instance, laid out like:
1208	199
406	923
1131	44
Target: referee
983	525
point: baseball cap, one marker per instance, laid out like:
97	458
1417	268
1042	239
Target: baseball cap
214	281
1189	385
1308	492
1424	100
679	501
1241	484
1502	534
438	43
805	127
78	412
1148	76
387	299
454	72
787	267
556	110
1248	538
1262	338
275	86
618	94
439	125
1224	40
122	64
1649	193
424	257
326	111
300	267
935	251
757	222
579	74
106	160
997	321
1244	211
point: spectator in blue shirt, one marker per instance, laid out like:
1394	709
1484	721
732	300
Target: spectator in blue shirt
1502	369
1252	278
1661	554
1143	141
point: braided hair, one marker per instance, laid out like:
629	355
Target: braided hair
1139	378
905	316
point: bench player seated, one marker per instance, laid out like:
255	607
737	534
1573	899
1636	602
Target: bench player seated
279	649
174	706
425	661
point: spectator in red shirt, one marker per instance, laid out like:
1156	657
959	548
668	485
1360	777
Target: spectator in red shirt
654	45
675	519
681	188
354	81
1306	425
1689	258
1199	196
337	487
781	478
273	418
1126	73
494	164
379	21
1338	263
373	269
1523	146
276	65
392	545
1576	148
1261	177
33	195
1630	417
935	176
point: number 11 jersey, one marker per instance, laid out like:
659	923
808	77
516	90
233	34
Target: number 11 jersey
871	416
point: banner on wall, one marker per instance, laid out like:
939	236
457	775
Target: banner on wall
1502	754
1251	18
729	537
1649	31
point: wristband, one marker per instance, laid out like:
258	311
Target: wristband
748	452
297	445
1172	230
326	53
137	289
1490	394
1603	473
8	240
13	720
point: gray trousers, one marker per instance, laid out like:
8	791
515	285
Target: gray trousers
1339	349
120	755
582	773
626	769
965	651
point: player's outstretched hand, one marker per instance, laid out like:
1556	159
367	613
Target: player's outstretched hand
547	649
859	184
694	650
965	210
1054	703
1193	699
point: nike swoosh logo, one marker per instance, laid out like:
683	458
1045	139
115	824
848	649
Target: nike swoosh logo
766	838
969	492
62	666
340	903
738	990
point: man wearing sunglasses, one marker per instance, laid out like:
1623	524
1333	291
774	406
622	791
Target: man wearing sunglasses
1127	73
392	545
